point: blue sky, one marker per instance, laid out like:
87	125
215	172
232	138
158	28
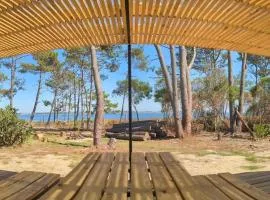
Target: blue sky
24	99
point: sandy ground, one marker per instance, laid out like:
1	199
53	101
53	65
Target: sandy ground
212	164
200	155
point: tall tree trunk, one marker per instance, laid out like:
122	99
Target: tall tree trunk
99	117
179	132
74	102
242	88
90	101
37	97
52	107
12	81
122	108
69	105
78	101
137	114
186	108
165	72
176	107
230	81
82	103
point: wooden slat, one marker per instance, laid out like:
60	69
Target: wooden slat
209	189
8	190
244	187
227	188
141	186
248	175
95	182
70	185
13	179
37	188
164	185
117	185
185	183
5	174
29	26
259	179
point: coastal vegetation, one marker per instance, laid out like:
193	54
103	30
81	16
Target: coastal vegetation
194	87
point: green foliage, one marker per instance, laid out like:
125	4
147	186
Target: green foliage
140	60
109	106
12	130
210	92
260	106
262	130
45	63
140	90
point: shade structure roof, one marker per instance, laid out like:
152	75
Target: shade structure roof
28	26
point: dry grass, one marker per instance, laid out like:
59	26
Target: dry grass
200	154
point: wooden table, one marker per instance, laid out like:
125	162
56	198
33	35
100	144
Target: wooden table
153	176
107	176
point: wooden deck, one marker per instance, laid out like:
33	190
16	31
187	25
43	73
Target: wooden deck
260	180
106	176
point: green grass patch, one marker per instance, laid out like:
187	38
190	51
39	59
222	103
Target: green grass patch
252	158
252	167
70	143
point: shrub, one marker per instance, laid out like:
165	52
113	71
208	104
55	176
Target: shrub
12	130
262	130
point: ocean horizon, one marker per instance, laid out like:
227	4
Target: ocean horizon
63	116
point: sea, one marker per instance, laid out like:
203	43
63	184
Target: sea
42	117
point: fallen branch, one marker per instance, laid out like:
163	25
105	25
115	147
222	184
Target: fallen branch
245	124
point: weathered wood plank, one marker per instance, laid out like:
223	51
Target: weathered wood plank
249	175
15	178
141	186
37	188
184	182
70	185
228	189
164	185
11	189
95	182
259	179
209	189
245	187
117	185
6	174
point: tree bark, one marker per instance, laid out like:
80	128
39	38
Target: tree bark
90	101
230	81
52	107
69	105
179	131
12	82
37	97
82	102
242	88
176	107
165	72
122	108
137	114
186	111
74	102
99	117
78	101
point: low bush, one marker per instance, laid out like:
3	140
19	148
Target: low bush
262	130
12	130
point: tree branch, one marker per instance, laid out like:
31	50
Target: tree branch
193	58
